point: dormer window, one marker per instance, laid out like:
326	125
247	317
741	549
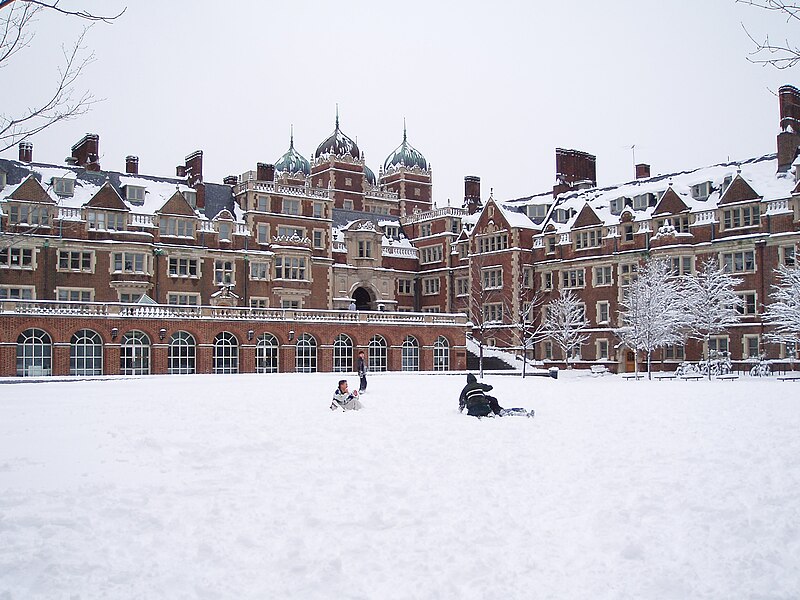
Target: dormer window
63	186
28	214
642	201
616	206
537	212
742	216
2	180
562	215
191	197
134	194
391	231
224	231
701	191
109	221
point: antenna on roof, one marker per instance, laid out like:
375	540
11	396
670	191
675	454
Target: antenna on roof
633	153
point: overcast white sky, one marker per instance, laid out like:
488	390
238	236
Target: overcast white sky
486	88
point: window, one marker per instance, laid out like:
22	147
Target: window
603	276
63	186
739	262
347	204
184	267
319	210
743	216
34	353
750	347
405	287
682	265
259	302
492	243
129	262
550	244
462	286
75	260
603	312
679	222
178	299
431	254
191	197
172	226
134	194
290	267
16	258
424	229
226	353
547	280
182	354
306	354
674	352
342	354
492	278
134	354
74	294
391	231
377	353
441	354
527	277
110	221
749	305
224	228
601	350
86	353
455	225
547	350
262	203
8	292
431	309
318	238
627	233
642	201
616	205
537	212
290	303
289	232
788	255
129	297
364	249
430	286
717	344
223	272
493	312
291	207
262	233
410	354
28	214
588	239
259	270
627	274
701	191
573	278
267	354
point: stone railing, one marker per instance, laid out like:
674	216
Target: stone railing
400	252
778	206
68	213
247	182
704	217
291	240
564	239
447	211
382	194
339	247
141	220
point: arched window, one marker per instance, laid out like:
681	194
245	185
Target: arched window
34	353
377	353
342	354
441	354
182	358
86	353
410	354
226	353
267	354
306	354
134	354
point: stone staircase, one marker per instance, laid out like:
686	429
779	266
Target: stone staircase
490	363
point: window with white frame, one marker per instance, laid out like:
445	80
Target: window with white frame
226	353
134	354
183	267
67	294
603	312
441	354
431	309
741	216
176	227
364	249
430	286
183	299
289	231
318	239
191	197
319	210
259	270
410	354
259	302
679	222
223	272
129	262
739	262
492	278
78	261
431	254
718	344
547	280
129	297
34	353
642	201
424	229
290	267
550	244
674	352
63	186
591	238
181	357
86	353
493	312
106	220
750	346
749	305
267	349
462	286
492	243
405	287
603	276
262	233
291	206
17	292
28	214
572	278
347	204
224	228
527	277
262	203
377	352
306	354
627	233
681	265
342	354
291	303
601	349
627	274
134	194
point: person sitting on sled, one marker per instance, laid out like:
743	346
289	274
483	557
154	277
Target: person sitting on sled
476	401
344	399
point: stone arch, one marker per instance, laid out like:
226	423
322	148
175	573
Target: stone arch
365	296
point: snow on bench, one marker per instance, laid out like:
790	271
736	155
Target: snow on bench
633	376
692	377
599	370
661	376
728	377
789	378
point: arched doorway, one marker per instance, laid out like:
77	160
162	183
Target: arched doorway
363	299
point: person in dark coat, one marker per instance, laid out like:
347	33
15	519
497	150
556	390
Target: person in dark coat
475	399
362	373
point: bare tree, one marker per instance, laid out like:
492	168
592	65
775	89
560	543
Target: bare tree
521	304
17	19
784	311
565	323
781	55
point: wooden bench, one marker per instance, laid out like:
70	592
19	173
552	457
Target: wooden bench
632	376
789	378
728	377
661	376
693	377
599	370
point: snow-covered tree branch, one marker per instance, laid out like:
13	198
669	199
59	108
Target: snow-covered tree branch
565	323
783	313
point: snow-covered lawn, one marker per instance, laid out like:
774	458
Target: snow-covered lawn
249	487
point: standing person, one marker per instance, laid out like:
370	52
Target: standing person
352	305
362	372
344	399
474	398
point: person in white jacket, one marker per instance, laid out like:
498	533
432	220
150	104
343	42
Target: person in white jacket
344	399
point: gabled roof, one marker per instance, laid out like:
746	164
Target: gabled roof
31	190
177	205
739	191
107	197
586	218
670	203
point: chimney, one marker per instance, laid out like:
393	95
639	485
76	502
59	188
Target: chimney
472	194
132	165
26	152
642	171
180	171
194	168
265	172
789	136
87	152
574	167
230	180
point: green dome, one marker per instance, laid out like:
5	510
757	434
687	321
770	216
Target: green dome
405	155
338	144
293	161
370	175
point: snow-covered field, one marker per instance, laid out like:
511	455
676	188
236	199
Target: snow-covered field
249	487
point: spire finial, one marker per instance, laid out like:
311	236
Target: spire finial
291	136
337	115
404	130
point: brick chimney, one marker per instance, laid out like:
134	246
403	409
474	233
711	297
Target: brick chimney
132	165
194	176
180	171
472	194
265	172
230	180
87	152
574	167
789	136
642	171
26	152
